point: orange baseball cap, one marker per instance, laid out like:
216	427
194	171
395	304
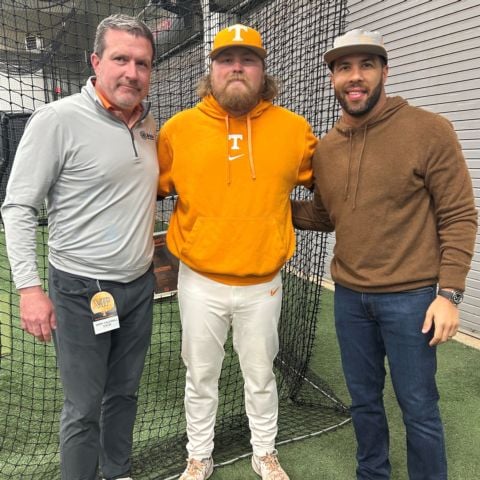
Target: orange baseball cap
238	36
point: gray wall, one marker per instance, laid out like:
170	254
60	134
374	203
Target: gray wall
434	51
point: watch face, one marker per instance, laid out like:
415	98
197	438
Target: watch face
457	297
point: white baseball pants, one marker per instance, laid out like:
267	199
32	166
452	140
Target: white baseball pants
208	309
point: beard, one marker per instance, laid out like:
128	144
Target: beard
363	108
233	99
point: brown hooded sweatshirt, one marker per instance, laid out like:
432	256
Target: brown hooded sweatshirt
398	194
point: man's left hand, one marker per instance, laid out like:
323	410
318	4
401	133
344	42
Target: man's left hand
443	317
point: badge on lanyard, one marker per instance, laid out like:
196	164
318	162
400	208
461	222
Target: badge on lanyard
104	311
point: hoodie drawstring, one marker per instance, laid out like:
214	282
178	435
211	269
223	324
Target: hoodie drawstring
229	173
358	167
250	148
347	184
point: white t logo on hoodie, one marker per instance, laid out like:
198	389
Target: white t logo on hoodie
235	137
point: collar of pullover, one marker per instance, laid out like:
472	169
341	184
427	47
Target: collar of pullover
212	108
90	90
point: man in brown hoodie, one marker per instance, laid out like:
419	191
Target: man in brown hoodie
392	182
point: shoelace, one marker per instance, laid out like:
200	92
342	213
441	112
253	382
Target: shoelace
195	466
272	465
270	461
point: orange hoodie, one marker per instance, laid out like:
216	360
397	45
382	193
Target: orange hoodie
233	177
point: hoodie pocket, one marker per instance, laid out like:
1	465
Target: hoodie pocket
236	246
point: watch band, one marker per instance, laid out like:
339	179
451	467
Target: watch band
455	296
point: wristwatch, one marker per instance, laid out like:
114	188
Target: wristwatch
455	296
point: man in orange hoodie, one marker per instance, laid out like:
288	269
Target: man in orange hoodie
233	160
392	182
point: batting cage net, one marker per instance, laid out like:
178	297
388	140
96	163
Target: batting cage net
44	56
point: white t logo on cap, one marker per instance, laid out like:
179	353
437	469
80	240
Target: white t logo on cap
238	29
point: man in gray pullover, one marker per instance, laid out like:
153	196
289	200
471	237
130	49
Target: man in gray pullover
92	157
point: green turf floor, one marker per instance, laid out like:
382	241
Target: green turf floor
329	456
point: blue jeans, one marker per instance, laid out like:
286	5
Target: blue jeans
369	327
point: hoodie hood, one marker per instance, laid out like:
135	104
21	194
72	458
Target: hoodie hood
392	105
209	106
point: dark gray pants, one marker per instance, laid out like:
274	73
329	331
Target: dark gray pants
100	373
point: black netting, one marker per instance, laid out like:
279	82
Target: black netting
44	50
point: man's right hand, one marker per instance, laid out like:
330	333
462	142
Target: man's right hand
37	314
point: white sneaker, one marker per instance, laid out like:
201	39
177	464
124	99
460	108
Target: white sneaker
268	467
198	469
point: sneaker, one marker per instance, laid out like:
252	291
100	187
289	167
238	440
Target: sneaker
268	467
198	469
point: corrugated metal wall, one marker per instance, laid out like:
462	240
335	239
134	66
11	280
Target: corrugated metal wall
434	58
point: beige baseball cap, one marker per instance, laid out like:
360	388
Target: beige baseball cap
238	35
356	41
